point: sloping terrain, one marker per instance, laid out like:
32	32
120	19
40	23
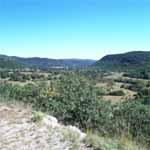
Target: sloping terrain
136	57
10	64
130	60
20	129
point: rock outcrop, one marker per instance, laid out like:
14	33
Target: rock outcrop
18	131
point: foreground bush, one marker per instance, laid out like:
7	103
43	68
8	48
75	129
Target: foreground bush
133	118
78	104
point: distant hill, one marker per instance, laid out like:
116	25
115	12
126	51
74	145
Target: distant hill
125	60
47	63
9	63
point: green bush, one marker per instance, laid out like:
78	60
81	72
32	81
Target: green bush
78	104
117	93
37	117
4	74
132	117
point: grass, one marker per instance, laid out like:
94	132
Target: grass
113	87
37	117
72	137
106	143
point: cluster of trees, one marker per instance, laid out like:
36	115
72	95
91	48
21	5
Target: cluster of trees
4	74
21	77
10	64
131	61
73	100
141	74
133	84
117	93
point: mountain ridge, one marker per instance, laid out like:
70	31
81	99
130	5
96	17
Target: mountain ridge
132	59
129	56
48	62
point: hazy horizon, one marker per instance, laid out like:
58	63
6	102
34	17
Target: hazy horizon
72	57
84	29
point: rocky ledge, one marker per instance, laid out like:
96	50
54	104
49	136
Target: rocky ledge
21	129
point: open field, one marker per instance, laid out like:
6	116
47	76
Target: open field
110	84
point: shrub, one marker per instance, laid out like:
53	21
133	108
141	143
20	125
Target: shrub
101	91
37	117
133	117
117	93
78	104
4	74
97	142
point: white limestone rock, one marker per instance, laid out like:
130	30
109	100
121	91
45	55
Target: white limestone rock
50	121
78	131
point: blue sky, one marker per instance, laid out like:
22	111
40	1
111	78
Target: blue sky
73	28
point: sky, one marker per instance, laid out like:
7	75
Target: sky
73	28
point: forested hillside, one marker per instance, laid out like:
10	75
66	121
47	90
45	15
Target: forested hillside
125	61
48	63
10	64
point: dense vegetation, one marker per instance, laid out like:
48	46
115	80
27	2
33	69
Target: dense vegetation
136	60
74	100
140	73
10	64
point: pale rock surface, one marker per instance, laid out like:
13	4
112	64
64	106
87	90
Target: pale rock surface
18	132
78	131
50	121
